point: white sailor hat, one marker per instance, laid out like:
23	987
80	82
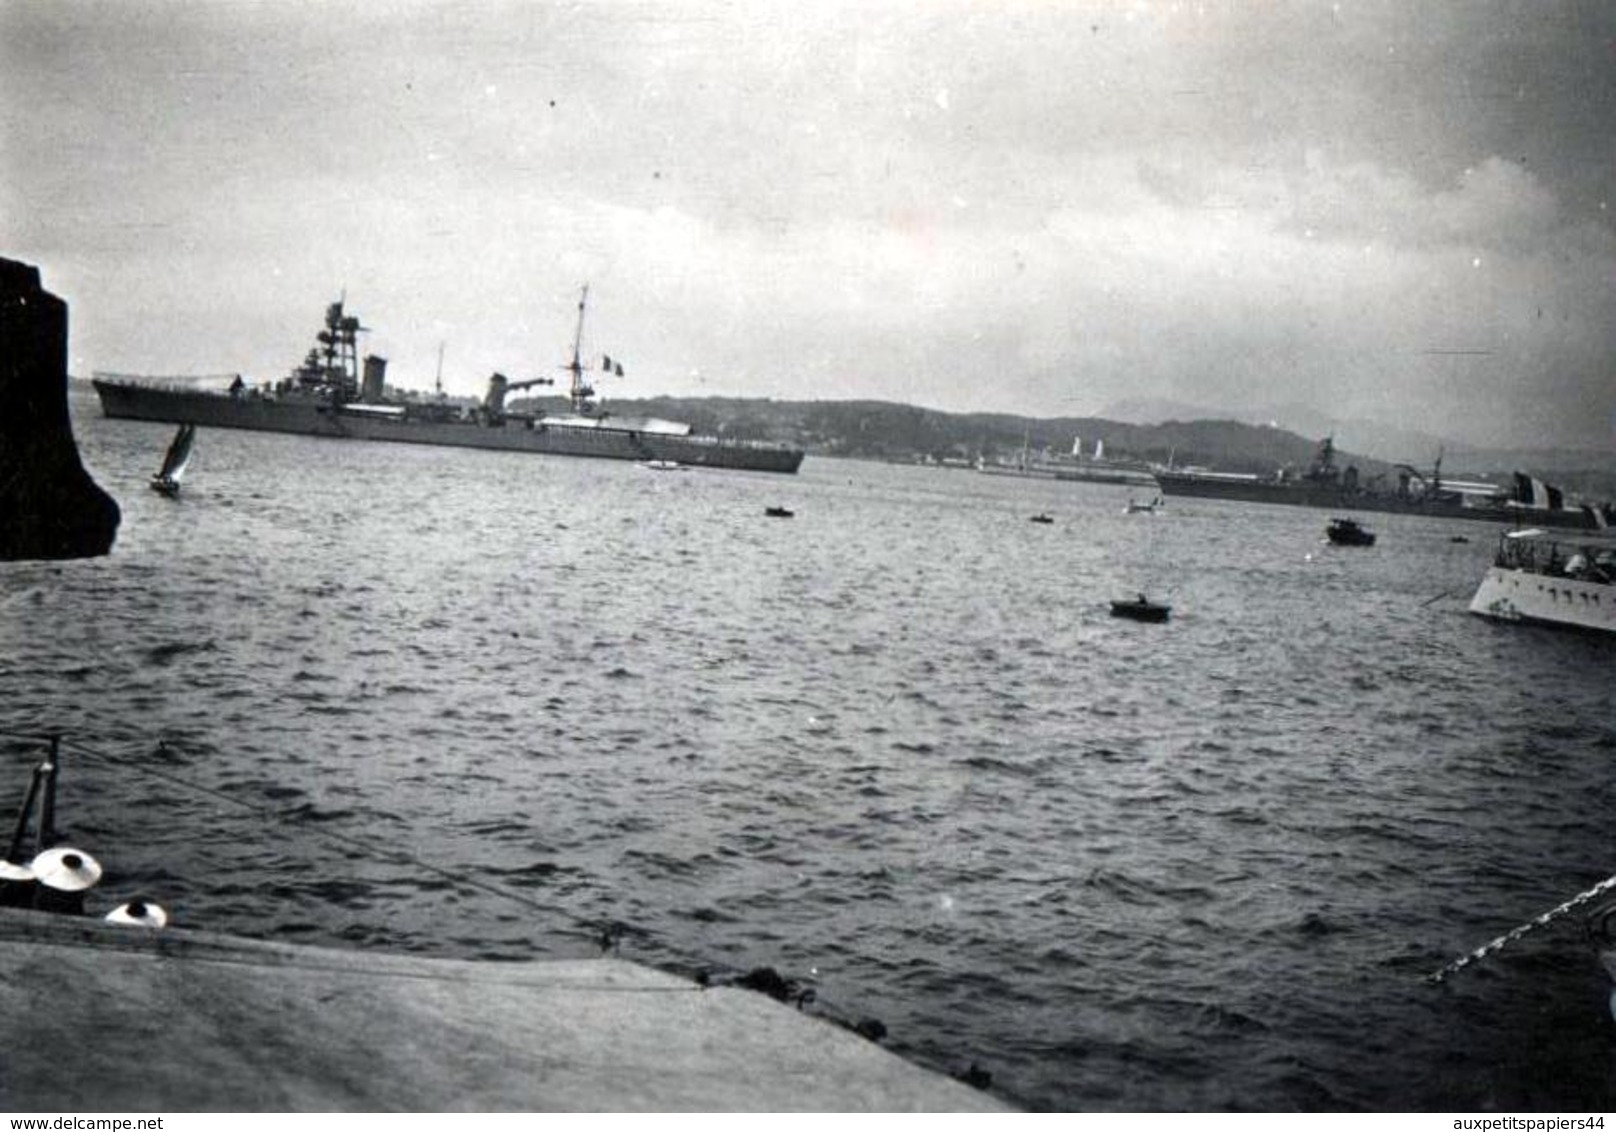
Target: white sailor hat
138	913
66	869
10	870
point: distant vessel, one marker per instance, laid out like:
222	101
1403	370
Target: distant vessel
1141	608
1551	579
1349	532
178	458
1143	508
1326	486
1074	467
329	396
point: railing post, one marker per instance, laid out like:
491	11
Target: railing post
14	853
47	805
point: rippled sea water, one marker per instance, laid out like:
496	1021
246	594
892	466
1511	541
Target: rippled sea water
483	705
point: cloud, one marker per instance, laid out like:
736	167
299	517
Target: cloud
1028	207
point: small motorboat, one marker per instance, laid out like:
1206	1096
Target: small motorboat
178	457
778	512
663	466
1141	608
1143	508
1349	532
1043	517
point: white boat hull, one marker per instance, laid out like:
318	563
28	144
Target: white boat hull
1520	595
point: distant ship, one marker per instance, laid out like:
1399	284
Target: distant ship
329	396
1349	532
1324	485
1076	467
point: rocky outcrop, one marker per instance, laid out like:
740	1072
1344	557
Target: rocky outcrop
49	505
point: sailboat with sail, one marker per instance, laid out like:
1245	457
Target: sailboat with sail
178	458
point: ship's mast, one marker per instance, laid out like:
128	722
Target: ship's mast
334	361
341	342
581	392
1323	465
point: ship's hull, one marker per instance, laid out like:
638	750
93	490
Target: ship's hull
1335	498
1082	474
1543	599
307	417
1073	474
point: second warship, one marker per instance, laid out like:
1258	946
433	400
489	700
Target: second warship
1325	485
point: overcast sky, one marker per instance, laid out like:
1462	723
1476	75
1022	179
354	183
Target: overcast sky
1394	210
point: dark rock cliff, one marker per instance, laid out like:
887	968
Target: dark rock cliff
49	505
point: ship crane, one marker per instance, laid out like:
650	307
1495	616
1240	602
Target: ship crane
499	385
1408	475
580	392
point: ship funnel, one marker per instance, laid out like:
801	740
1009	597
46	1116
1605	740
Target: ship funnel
375	379
495	402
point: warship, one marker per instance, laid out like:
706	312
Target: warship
1325	485
335	394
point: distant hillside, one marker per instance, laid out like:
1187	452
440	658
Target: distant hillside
1568	467
882	430
1372	438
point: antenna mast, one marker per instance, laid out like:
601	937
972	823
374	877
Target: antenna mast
581	393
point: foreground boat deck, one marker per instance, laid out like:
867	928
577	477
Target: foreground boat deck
99	1018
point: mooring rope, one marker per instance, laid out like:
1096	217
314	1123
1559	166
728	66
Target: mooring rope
1527	928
